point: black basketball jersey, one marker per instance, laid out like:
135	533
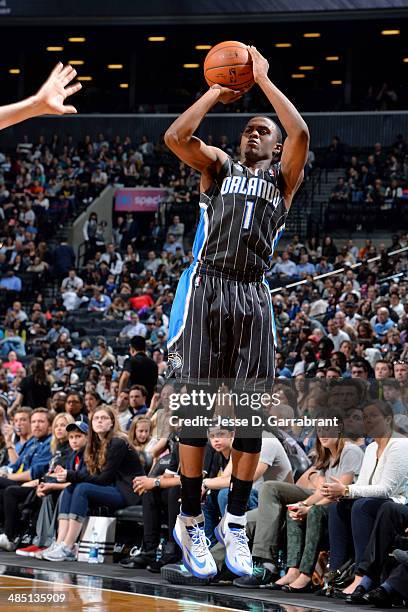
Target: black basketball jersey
242	218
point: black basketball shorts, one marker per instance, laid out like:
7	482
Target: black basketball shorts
222	329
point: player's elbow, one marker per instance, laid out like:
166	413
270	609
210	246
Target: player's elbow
171	137
302	134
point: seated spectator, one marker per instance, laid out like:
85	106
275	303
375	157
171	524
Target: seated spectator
304	267
13	364
307	519
99	302
74	405
35	388
103	354
177	229
390	522
285	267
133	328
32	462
140	436
340	192
10	282
117	309
111	466
336	335
13	495
17	433
393	395
91	401
137	406
72	282
160	495
281	369
273	466
49	491
383	476
382	322
170	246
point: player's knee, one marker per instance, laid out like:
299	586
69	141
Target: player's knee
247	445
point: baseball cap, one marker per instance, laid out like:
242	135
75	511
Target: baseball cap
80	425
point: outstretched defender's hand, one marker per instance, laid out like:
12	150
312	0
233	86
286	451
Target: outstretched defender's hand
227	95
51	96
260	65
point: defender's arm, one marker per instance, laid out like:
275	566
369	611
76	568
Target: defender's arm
49	100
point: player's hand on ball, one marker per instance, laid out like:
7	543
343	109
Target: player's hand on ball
51	96
260	65
227	95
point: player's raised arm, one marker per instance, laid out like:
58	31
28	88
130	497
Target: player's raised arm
190	149
296	146
49	100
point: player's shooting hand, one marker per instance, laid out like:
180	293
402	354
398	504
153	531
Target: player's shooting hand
227	95
51	96
260	65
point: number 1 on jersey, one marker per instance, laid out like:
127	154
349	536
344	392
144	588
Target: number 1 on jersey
249	209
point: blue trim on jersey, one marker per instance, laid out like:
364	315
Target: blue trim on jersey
277	237
200	235
274	333
180	305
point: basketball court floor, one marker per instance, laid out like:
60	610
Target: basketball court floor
31	585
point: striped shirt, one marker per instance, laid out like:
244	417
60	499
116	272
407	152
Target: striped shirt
241	220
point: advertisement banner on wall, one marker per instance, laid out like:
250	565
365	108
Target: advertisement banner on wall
139	199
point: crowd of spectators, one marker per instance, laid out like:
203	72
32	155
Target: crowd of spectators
374	189
84	401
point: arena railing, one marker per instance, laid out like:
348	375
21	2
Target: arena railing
357	129
358	264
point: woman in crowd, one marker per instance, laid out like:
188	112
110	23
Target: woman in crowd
35	388
383	477
365	331
307	519
60	448
117	309
338	360
92	400
111	465
140	437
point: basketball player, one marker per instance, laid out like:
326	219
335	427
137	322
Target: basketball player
49	100
221	324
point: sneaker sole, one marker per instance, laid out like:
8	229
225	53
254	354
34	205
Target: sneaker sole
46	558
186	563
25	554
231	568
179	577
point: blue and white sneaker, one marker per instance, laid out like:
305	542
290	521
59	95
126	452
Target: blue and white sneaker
231	533
190	536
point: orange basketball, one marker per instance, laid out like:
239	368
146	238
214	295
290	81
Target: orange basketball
229	64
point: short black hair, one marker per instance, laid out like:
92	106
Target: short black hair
138	343
279	136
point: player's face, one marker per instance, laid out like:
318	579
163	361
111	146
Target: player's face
258	140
